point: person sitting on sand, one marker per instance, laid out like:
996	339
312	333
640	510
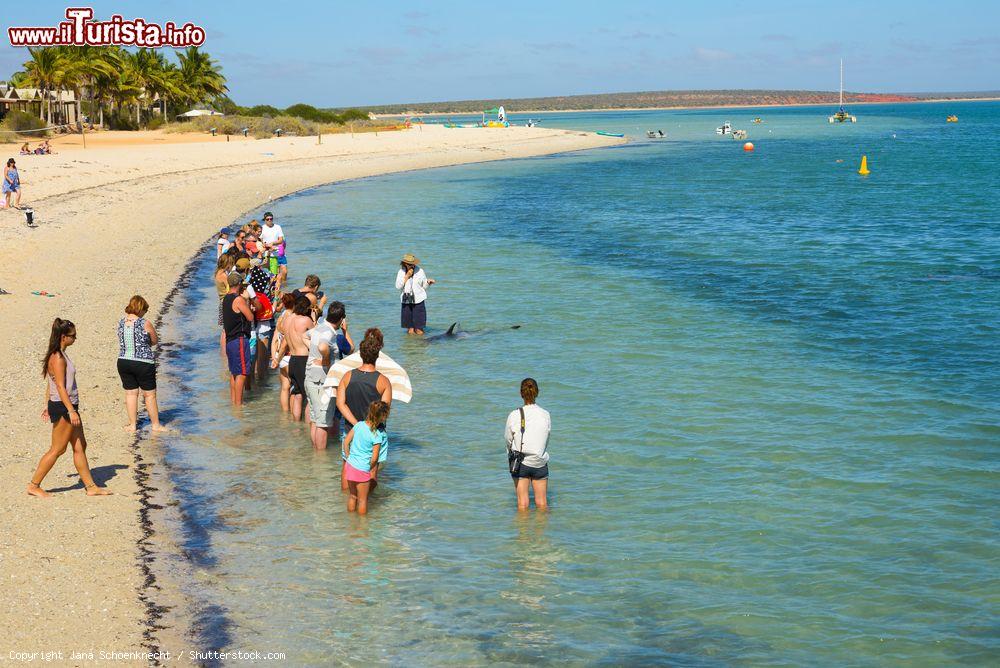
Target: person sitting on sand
527	437
25	150
238	319
363	447
11	184
62	411
137	363
46	148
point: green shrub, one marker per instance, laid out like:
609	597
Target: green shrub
155	123
21	121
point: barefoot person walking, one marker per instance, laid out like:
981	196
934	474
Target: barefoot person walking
527	437
11	184
137	363
62	411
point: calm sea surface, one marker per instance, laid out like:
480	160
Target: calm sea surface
774	393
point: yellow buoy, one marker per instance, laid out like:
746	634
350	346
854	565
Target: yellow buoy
864	166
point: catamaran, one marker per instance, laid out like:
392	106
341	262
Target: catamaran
842	116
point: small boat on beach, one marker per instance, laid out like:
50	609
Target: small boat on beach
610	134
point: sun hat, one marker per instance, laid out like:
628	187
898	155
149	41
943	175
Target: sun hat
224	230
243	263
410	258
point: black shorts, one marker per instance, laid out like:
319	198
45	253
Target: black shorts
57	411
297	373
531	472
137	375
413	316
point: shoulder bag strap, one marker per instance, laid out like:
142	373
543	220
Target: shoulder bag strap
522	428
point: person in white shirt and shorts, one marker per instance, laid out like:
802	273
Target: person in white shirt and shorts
527	438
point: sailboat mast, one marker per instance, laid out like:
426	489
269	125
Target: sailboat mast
841	84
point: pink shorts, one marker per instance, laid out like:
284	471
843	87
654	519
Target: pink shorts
354	475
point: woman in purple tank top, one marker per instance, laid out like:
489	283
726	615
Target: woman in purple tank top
62	411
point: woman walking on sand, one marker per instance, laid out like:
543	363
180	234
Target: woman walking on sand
527	437
62	411
11	184
137	364
412	283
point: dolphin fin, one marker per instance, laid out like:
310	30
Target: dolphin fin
451	330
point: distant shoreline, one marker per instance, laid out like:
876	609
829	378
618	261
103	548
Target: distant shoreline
520	112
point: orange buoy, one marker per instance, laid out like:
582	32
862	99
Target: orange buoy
748	146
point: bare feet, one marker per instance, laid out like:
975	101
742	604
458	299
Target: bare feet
159	428
94	490
129	428
35	490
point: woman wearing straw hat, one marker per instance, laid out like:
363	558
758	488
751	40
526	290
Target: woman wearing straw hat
412	283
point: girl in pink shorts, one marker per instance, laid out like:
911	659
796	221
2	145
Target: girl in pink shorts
362	447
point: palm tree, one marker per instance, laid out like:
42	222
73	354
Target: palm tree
86	64
202	76
46	71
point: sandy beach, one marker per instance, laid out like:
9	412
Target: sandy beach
121	217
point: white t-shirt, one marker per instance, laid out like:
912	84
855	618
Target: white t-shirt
223	246
271	233
537	425
321	333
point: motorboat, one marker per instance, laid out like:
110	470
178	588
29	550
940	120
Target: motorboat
655	134
725	129
739	134
758	120
952	119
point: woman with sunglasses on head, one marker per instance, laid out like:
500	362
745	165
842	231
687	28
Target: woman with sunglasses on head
63	400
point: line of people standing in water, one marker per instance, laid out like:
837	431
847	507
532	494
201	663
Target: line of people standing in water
262	328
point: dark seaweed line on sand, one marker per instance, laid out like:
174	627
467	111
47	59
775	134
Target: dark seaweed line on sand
146	557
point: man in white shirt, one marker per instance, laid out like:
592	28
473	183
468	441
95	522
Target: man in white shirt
273	238
324	353
527	438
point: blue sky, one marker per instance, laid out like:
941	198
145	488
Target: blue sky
340	54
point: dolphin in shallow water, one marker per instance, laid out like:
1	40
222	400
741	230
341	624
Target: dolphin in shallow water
455	333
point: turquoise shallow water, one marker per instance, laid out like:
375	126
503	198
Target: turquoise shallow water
773	384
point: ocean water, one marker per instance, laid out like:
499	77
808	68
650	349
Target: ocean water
773	386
